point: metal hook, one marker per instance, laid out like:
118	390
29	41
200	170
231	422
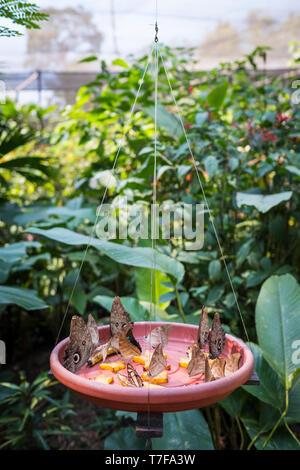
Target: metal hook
156	32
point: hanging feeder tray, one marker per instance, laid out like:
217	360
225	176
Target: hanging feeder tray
180	393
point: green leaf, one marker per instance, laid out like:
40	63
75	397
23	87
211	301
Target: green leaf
137	256
277	323
201	118
143	286
217	95
215	294
234	403
270	390
25	298
16	251
91	58
189	431
211	166
166	120
124	439
260	202
79	298
120	63
214	270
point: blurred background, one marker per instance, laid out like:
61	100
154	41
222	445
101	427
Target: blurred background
45	61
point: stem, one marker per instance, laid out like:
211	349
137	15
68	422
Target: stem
254	439
280	419
180	305
241	433
291	433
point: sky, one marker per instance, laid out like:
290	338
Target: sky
181	23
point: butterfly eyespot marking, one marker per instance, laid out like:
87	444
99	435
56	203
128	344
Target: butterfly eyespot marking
83	343
117	324
76	358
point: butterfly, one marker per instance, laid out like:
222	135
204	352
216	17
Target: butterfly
216	337
158	335
118	319
133	379
158	362
82	343
217	367
209	377
232	363
203	330
197	362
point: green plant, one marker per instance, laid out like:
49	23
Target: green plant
30	414
21	13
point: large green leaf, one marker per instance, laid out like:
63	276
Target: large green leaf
233	404
16	251
25	298
270	390
260	202
143	286
278	323
124	439
137	256
217	95
166	120
281	440
187	430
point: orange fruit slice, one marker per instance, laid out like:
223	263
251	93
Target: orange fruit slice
112	366
159	379
103	379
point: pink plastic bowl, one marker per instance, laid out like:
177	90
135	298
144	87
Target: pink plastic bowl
168	399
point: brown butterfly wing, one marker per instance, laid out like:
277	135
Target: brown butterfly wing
216	338
118	319
158	362
128	350
93	329
217	367
232	363
209	377
158	335
134	378
197	363
80	345
203	331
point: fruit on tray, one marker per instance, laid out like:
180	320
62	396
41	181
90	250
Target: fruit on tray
158	379
112	366
103	379
145	359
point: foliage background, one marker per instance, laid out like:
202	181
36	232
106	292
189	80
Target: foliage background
244	130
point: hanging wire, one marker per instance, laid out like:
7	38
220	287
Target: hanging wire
121	143
153	207
211	218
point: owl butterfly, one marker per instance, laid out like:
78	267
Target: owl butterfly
158	362
197	362
217	367
216	337
133	379
203	331
232	363
118	319
209	377
127	349
83	341
158	335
